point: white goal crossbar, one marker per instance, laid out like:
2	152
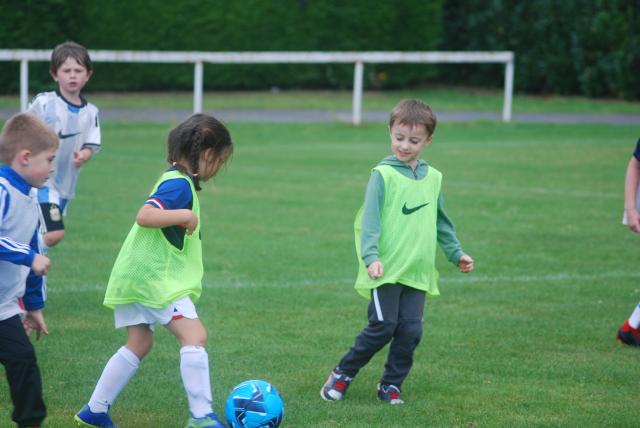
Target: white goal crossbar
199	58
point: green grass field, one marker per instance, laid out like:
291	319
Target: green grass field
442	98
526	340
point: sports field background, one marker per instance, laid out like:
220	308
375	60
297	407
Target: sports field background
527	339
453	98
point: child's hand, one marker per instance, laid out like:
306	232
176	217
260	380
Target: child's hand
40	264
375	269
192	223
81	156
465	264
633	220
34	321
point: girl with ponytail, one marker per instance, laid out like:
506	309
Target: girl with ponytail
157	276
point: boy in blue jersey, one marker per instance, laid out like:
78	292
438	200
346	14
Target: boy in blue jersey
75	121
629	331
27	151
396	231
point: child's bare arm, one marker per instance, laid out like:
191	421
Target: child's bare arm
150	216
630	192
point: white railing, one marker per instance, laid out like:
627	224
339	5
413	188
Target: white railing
199	58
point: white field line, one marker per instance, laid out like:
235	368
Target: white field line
537	190
554	277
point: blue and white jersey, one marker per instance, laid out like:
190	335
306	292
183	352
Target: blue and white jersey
77	127
19	219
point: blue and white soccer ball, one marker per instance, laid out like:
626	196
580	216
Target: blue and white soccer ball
254	404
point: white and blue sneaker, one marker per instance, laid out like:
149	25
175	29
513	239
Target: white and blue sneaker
208	421
335	386
389	394
86	418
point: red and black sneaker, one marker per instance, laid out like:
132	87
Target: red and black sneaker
389	394
628	335
335	387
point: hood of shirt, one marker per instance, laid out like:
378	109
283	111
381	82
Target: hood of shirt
402	167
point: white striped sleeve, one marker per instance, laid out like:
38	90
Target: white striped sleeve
156	203
13	246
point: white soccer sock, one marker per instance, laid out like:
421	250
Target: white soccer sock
116	374
634	319
194	367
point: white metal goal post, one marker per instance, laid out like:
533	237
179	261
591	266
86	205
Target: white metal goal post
199	58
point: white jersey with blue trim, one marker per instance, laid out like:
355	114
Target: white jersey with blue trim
19	217
77	127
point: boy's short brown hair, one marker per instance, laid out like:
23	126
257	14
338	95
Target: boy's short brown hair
69	50
25	131
412	113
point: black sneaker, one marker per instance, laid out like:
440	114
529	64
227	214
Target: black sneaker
335	387
389	394
628	335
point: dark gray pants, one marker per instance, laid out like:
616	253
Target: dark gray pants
19	360
395	315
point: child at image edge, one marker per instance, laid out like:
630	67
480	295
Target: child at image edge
628	332
27	151
396	232
157	274
75	121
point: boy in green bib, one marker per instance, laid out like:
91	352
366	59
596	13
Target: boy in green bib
396	231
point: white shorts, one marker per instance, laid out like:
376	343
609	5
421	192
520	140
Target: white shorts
137	313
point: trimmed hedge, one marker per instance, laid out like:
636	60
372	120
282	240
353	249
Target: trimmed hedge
582	47
562	46
214	25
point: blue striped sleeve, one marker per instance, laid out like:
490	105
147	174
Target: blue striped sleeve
34	294
15	252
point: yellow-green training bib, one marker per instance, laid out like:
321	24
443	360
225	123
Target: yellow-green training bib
151	271
408	233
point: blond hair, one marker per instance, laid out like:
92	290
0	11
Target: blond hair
413	112
25	131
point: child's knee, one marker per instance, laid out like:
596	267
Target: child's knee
23	356
189	332
198	338
140	347
411	331
387	329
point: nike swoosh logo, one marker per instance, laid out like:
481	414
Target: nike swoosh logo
63	136
408	211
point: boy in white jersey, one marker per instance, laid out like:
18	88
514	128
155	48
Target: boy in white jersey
27	151
75	121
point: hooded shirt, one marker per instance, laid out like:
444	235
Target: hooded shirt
372	209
